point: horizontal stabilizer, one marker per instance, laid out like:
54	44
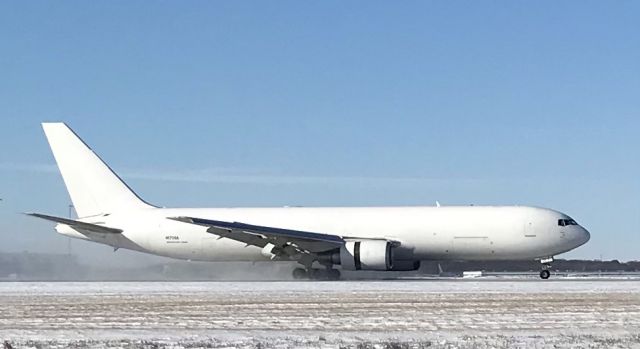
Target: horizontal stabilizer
94	228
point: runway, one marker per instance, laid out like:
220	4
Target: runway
427	313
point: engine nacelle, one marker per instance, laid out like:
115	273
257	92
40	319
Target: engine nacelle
366	255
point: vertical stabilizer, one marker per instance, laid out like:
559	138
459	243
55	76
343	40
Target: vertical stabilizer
93	187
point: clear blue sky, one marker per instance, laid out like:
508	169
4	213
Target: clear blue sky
212	103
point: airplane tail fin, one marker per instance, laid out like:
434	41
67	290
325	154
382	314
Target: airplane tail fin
93	187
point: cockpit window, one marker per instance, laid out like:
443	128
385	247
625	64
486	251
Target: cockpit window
565	222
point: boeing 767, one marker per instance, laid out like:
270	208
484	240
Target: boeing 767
354	238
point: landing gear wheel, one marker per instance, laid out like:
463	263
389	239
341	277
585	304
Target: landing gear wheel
299	274
324	275
316	274
333	274
544	274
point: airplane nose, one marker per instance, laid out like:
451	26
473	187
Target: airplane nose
583	236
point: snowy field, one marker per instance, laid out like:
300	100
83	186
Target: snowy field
385	314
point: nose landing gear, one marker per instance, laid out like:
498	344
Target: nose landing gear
546	265
544	274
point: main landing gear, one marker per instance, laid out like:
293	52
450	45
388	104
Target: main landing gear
546	265
328	274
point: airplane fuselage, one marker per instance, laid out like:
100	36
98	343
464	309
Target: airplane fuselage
448	232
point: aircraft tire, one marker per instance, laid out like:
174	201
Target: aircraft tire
318	274
544	274
333	274
300	274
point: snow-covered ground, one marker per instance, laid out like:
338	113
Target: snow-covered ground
433	313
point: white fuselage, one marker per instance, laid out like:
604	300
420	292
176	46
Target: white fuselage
454	232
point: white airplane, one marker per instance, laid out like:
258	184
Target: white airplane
356	238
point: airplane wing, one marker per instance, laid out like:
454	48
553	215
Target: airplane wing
94	228
287	242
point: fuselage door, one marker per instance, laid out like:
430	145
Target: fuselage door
529	228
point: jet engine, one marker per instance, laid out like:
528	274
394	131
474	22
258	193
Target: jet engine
371	255
366	255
